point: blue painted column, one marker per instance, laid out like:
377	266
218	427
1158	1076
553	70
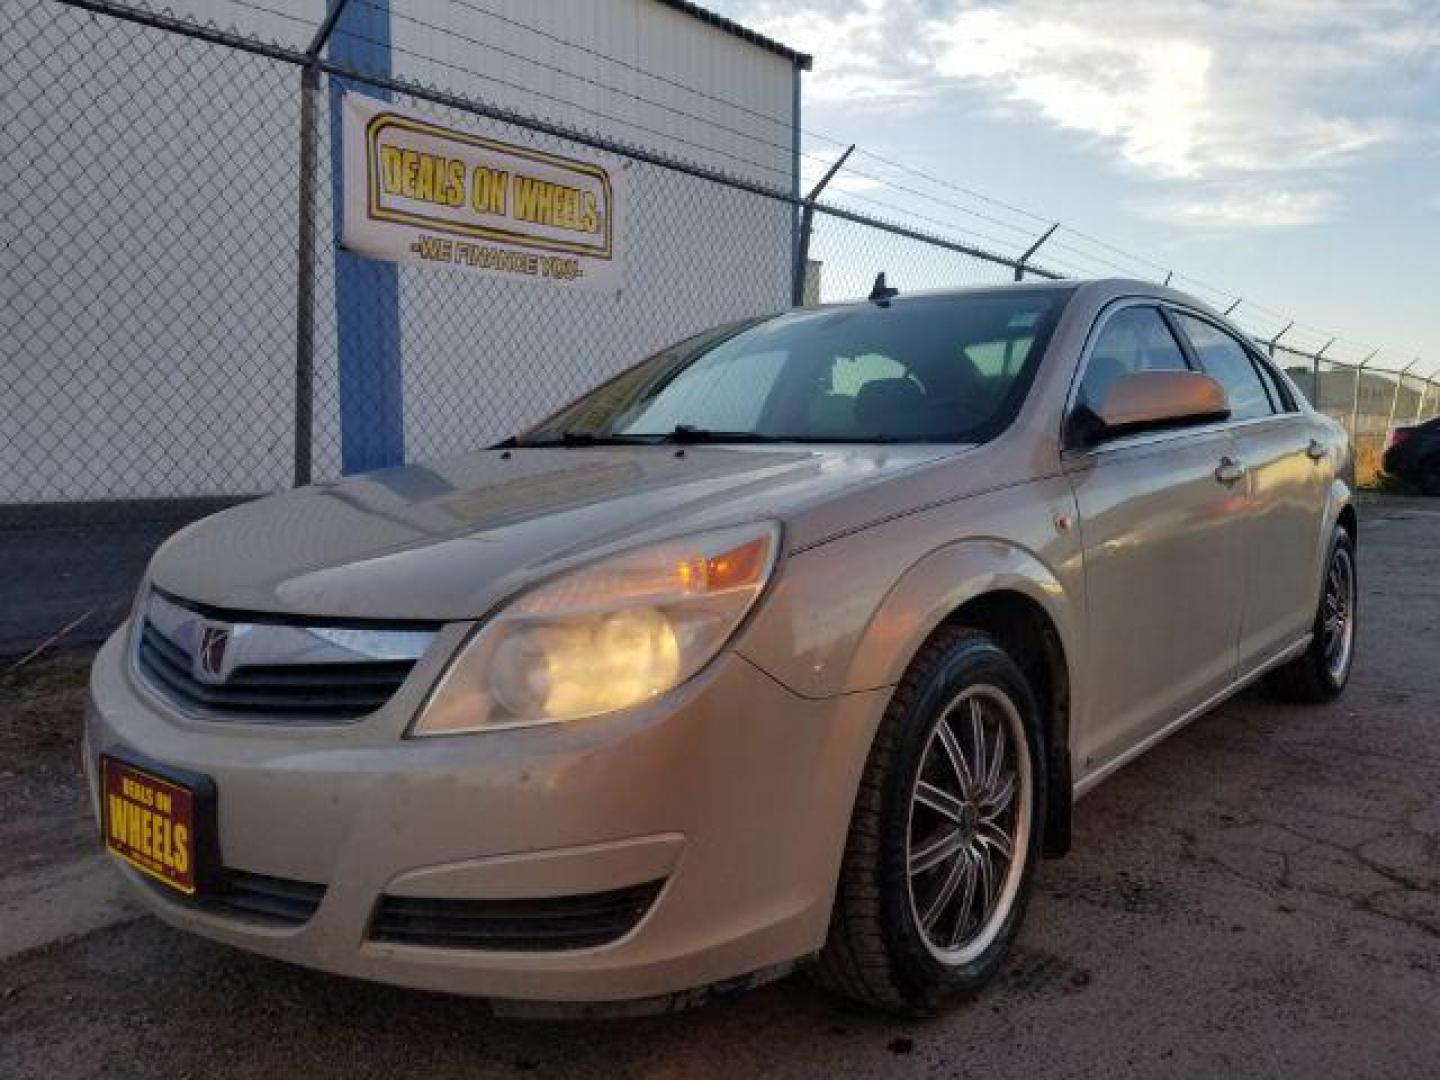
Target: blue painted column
367	291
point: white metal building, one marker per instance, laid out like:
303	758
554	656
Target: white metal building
149	300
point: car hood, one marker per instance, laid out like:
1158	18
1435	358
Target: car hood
448	541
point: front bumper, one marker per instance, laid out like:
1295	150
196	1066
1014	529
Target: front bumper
733	790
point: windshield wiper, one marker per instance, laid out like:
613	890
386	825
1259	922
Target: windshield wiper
689	433
587	438
686	434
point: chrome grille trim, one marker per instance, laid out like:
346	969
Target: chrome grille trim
262	672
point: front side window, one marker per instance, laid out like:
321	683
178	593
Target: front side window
1225	360
938	368
1133	339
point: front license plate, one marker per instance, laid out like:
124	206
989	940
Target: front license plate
152	821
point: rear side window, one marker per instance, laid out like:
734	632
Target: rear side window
1278	394
1133	339
1225	360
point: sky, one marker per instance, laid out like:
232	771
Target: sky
1286	152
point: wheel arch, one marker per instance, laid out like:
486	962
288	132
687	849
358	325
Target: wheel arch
1006	591
1025	630
1349	520
1340	512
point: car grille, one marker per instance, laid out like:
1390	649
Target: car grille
549	924
296	693
257	898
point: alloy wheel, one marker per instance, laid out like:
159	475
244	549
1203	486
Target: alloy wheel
970	820
1338	617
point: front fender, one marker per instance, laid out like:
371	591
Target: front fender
942	582
849	615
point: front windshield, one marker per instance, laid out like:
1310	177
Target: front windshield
924	369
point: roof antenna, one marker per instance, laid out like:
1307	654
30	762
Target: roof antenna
881	293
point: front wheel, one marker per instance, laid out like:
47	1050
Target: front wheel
1320	673
945	835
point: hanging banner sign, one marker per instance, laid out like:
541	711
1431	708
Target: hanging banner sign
417	192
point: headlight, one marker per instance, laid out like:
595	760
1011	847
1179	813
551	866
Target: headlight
607	636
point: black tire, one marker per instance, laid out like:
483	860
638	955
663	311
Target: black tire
1310	679
877	952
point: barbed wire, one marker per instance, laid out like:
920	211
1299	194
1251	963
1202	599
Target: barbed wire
1132	259
784	147
785	122
568	103
1070	249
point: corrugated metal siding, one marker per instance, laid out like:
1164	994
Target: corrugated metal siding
678	109
697	254
166	369
483	48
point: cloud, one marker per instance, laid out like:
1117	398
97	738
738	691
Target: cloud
1178	92
1147	101
1212	95
1241	207
865	57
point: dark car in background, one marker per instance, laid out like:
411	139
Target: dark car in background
1412	454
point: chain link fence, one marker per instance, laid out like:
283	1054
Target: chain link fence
1368	401
168	346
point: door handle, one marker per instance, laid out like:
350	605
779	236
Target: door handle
1316	450
1229	471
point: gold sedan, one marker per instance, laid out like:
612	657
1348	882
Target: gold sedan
793	644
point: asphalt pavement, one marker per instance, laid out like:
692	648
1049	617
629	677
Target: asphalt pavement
68	572
1258	896
71	584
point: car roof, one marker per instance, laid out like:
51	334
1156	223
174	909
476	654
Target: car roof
1098	291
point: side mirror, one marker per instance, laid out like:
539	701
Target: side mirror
1154	400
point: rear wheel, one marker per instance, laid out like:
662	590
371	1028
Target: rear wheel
945	835
1320	673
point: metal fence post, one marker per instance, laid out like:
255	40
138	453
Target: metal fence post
807	220
796	136
305	248
1421	403
1020	263
1395	399
1315	373
1355	408
305	279
1270	348
1276	339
